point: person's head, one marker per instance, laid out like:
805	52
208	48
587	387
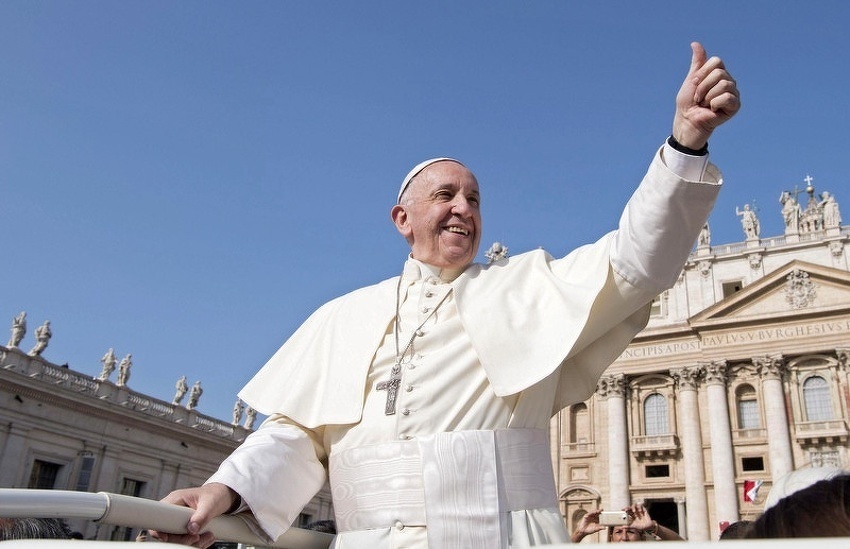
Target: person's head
33	528
735	530
439	214
624	532
820	510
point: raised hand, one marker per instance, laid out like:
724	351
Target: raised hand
708	97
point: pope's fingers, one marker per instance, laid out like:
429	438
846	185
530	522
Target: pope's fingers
727	104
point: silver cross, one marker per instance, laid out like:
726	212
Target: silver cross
391	387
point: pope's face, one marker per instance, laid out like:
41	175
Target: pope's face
441	216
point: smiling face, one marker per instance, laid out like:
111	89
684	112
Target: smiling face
440	215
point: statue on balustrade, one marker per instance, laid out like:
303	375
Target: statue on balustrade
42	338
19	329
108	360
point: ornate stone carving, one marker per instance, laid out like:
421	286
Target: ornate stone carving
613	385
42	338
755	260
800	291
19	329
687	378
715	372
496	252
836	248
749	222
843	355
704	268
769	367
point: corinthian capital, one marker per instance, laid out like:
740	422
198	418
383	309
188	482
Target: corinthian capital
769	367
687	378
612	385
715	372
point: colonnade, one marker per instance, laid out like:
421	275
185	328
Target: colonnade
712	377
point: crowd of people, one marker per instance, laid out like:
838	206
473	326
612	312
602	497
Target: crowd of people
811	502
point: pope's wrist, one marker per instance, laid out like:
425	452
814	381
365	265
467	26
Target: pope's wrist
674	143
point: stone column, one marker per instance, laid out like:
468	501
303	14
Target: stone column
770	370
613	388
722	457
682	515
690	436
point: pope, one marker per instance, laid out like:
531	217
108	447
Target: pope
425	399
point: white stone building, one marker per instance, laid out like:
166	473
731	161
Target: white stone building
741	375
64	430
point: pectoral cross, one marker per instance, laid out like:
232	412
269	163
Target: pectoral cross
391	387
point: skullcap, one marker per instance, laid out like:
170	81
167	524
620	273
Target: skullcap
418	168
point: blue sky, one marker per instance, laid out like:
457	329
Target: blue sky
187	181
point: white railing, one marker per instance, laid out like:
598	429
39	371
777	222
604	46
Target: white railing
143	513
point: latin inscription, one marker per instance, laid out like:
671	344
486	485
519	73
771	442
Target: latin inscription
739	338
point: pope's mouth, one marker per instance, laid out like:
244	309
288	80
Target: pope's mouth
458	230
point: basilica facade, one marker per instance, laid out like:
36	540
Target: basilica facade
741	376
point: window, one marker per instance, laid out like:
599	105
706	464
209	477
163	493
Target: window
657	471
752	464
656	308
579	424
748	408
43	475
84	478
132	487
655	415
733	287
817	400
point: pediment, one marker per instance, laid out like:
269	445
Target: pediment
796	289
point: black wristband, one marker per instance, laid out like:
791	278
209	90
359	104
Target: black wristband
686	150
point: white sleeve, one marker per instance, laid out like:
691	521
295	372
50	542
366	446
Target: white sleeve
276	472
684	165
661	222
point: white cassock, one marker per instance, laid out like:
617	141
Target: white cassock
486	356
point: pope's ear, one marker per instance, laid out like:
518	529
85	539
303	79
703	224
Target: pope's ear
401	220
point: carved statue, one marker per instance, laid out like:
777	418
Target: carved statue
108	361
250	417
194	396
19	329
831	215
238	407
791	212
124	370
496	252
180	390
42	338
704	236
749	222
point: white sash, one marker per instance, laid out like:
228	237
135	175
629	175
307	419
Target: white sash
463	484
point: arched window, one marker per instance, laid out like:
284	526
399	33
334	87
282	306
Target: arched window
817	400
748	408
579	423
655	415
